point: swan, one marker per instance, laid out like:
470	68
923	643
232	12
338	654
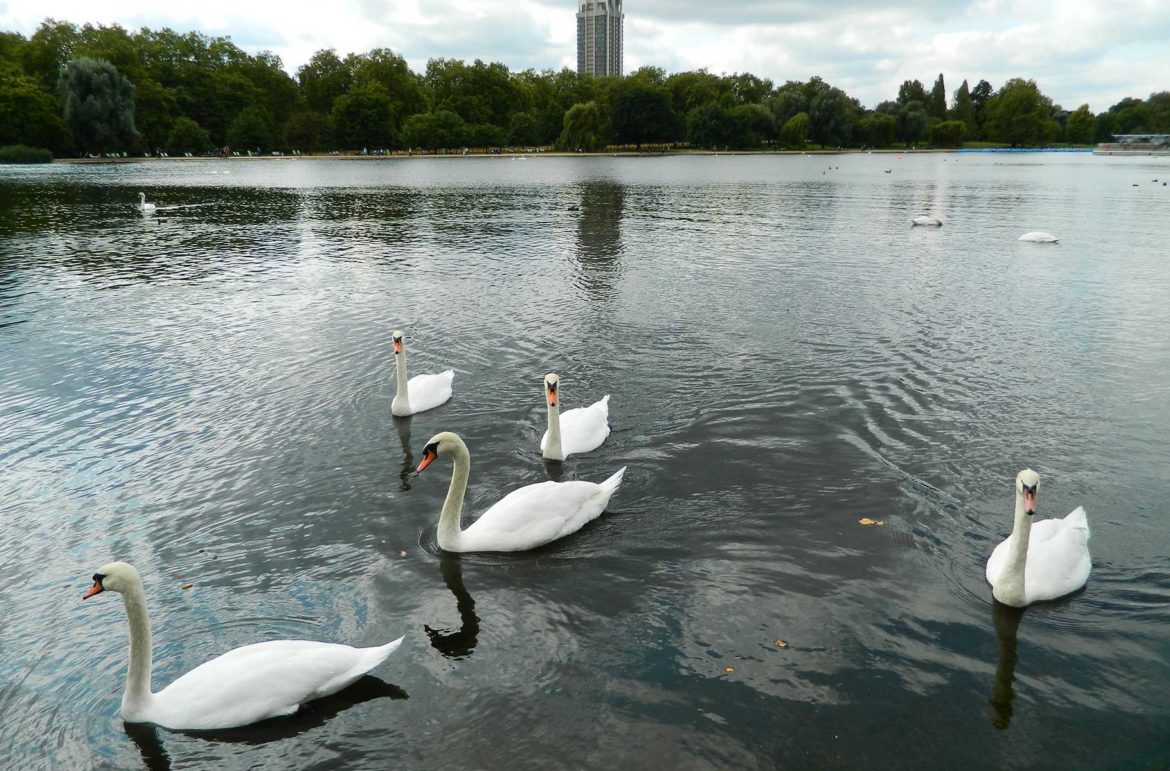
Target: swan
1039	237
1042	561
143	206
242	686
927	219
523	519
578	430
421	392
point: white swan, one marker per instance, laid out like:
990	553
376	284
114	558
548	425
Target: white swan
577	430
1039	237
242	686
525	518
421	392
928	220
143	206
1042	561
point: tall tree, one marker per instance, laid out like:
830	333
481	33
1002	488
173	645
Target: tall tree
322	79
937	106
641	112
831	118
98	105
964	109
584	128
794	134
912	122
979	96
1078	130
1019	115
912	91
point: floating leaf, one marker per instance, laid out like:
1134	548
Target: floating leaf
729	669
186	586
868	521
401	554
781	644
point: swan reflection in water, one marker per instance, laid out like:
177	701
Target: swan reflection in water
403	426
1007	625
458	644
313	714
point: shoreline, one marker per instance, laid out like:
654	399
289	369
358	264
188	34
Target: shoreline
560	154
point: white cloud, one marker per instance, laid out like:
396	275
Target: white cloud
1093	51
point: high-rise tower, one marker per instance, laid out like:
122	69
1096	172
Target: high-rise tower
599	37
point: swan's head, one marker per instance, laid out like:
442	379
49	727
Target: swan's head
550	388
1027	484
118	577
142	197
397	341
441	444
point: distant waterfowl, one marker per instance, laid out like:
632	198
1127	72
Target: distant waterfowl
928	220
244	685
574	431
145	207
1040	561
421	392
1039	237
889	171
525	518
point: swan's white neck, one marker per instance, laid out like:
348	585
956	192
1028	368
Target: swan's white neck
137	696
402	395
449	530
1010	588
552	448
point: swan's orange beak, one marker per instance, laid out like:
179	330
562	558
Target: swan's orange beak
429	455
551	392
1029	500
398	345
97	588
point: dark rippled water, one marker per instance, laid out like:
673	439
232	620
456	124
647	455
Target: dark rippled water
208	397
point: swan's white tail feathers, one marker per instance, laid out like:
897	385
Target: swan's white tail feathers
382	652
610	485
449	374
1078	519
603	405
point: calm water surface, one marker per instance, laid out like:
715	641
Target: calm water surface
208	397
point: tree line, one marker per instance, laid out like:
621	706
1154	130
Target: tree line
94	89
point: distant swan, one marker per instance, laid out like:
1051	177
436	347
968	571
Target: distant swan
143	206
575	431
242	686
927	219
421	392
1042	561
525	518
1039	237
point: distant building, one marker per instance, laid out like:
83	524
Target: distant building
599	37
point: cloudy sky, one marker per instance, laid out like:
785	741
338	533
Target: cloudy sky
1094	51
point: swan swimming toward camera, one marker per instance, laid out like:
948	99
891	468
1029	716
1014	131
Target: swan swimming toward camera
1040	561
244	685
1039	237
421	392
575	431
525	518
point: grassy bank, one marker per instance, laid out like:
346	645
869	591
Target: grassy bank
24	154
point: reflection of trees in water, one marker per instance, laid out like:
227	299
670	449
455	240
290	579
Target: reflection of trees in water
1007	625
599	237
311	715
462	642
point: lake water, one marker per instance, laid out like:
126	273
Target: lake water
208	397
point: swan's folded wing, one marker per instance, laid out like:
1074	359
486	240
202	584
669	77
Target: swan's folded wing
427	391
584	428
256	682
1058	559
534	515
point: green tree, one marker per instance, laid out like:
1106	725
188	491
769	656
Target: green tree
251	130
979	98
1158	112
948	133
309	131
794	134
877	129
187	137
689	90
1078	130
936	107
322	79
29	115
912	91
709	126
524	130
98	105
1018	115
964	109
584	128
432	131
912	122
365	118
788	101
831	118
641	112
